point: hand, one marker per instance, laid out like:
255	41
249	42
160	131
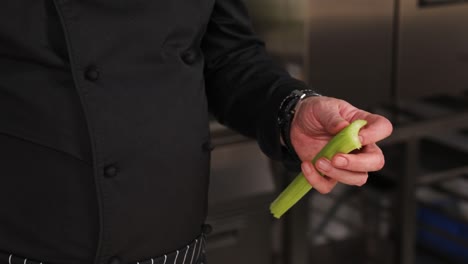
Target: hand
316	121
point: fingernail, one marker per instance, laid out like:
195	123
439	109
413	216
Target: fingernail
361	139
340	161
323	165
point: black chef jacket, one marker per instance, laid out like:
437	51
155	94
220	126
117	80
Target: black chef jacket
104	146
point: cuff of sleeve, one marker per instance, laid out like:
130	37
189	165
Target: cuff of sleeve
268	133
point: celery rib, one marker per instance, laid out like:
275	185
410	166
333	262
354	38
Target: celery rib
345	141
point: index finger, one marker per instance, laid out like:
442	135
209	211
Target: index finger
377	128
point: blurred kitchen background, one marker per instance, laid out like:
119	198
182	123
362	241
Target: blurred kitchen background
405	59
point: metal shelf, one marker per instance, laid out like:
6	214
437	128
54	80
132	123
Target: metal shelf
432	151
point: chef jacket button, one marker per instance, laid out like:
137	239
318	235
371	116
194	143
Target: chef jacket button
110	171
92	73
114	260
189	56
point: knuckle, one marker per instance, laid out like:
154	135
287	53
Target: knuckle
312	179
309	178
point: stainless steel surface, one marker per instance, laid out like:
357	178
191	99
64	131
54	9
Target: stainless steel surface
239	171
433	49
351	54
241	188
407	205
350	49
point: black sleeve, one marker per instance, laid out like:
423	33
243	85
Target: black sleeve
244	86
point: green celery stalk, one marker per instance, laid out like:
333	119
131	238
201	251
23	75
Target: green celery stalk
345	141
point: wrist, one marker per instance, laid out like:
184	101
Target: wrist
286	112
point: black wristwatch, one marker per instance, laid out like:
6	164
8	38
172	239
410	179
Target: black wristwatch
286	113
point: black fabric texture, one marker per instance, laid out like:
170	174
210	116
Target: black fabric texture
104	121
